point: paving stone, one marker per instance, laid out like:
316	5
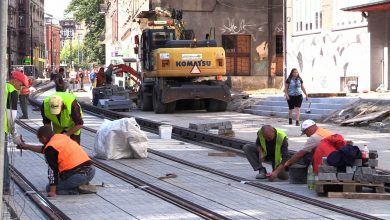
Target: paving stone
372	163
346	177
367	170
373	154
327	176
358	162
381	178
350	169
327	169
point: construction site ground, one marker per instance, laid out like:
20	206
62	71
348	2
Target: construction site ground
259	203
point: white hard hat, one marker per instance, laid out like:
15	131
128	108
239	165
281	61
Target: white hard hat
306	124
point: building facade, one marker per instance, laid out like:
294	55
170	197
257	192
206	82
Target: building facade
250	31
68	34
333	48
53	45
26	43
377	13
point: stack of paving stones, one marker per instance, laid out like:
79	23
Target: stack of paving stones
354	177
224	127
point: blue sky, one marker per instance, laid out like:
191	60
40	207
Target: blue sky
56	8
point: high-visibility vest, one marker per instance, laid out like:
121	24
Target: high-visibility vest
280	135
66	122
8	90
323	132
70	153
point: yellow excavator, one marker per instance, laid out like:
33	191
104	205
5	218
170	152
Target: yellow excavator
179	71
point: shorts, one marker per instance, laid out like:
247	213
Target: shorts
295	102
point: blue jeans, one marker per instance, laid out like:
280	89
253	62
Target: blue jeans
70	185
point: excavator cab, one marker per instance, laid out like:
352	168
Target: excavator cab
153	39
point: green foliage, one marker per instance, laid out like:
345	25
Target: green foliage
74	53
88	11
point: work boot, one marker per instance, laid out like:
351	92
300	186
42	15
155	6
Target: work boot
262	173
23	117
290	121
87	189
297	123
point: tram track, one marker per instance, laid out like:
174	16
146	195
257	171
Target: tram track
237	144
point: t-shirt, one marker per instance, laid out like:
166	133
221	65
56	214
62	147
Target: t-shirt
92	76
312	142
294	87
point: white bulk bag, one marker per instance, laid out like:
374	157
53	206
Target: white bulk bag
121	138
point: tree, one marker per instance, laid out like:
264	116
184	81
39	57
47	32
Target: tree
69	53
88	11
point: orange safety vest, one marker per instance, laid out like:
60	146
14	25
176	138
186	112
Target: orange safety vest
323	132
70	153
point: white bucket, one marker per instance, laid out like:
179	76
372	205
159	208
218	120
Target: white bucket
165	131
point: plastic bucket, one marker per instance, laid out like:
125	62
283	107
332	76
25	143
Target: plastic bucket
165	131
297	174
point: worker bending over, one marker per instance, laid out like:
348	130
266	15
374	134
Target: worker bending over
64	112
271	145
315	134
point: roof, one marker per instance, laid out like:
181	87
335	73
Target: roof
372	6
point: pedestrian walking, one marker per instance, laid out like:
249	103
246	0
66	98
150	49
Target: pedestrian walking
293	91
70	168
63	112
271	145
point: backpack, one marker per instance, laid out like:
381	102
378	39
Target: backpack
344	156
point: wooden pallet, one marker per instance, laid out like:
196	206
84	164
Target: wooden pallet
325	187
354	195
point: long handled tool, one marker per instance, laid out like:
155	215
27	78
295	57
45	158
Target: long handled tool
308	111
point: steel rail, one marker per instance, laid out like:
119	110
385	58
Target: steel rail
234	143
149	188
311	201
48	208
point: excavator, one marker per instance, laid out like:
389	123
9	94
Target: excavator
176	69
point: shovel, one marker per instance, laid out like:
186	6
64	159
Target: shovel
308	111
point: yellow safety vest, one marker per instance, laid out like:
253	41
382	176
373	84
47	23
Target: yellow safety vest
280	135
65	123
8	90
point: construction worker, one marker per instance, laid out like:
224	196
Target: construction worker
315	134
64	112
10	114
271	145
71	167
24	91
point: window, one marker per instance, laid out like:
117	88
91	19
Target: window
238	54
345	19
21	21
307	16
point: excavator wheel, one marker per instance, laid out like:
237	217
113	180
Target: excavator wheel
214	105
158	106
146	102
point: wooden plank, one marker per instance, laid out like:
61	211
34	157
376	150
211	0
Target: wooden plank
353	195
367	117
222	154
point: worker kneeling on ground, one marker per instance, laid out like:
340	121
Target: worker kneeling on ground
64	112
315	134
271	145
70	170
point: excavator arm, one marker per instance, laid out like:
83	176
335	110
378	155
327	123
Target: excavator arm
120	69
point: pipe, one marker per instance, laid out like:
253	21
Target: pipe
3	69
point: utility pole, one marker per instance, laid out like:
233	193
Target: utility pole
51	44
3	69
31	38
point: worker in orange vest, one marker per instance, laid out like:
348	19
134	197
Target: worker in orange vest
71	168
315	134
24	91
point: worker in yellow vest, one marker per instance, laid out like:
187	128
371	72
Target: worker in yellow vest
271	145
315	134
11	96
71	166
64	113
